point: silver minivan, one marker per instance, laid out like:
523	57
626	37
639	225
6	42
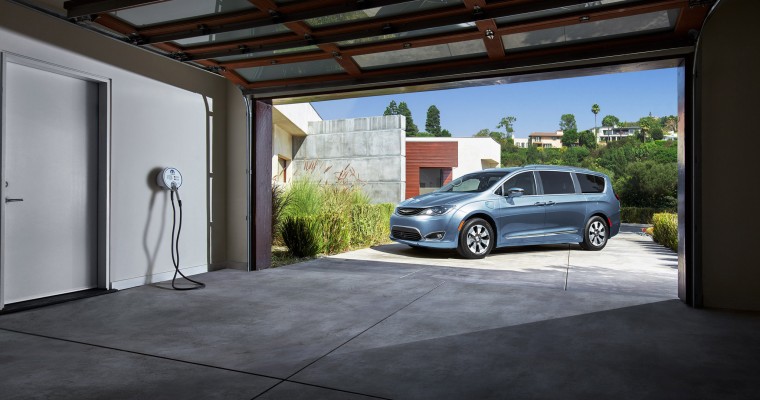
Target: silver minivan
500	207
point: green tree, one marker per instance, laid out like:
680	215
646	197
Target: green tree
669	123
570	138
411	128
392	108
647	124
610	120
595	109
445	133
567	122
656	133
649	184
507	124
433	121
587	139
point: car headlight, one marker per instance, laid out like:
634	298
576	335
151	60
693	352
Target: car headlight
437	210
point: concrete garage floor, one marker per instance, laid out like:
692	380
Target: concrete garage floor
337	328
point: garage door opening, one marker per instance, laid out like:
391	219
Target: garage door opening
625	122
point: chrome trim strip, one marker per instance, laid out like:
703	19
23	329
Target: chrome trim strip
541	234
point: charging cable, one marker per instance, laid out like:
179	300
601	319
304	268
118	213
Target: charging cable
175	244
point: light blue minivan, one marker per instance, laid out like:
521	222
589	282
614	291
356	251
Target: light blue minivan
534	204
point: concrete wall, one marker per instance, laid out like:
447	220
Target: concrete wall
155	103
371	150
726	95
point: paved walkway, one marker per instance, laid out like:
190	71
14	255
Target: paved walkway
340	328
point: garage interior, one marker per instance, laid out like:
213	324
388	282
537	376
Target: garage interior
174	72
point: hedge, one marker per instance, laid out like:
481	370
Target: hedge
666	230
334	232
639	215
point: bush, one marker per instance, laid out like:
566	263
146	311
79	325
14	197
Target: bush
666	230
369	224
303	235
336	232
638	215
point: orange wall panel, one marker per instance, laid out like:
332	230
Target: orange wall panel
428	155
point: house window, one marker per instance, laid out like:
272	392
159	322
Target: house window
282	170
431	179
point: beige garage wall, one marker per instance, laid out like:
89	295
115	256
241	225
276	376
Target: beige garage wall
159	115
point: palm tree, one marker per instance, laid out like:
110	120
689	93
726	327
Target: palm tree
595	109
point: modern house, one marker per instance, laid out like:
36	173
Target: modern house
521	142
615	133
545	139
375	153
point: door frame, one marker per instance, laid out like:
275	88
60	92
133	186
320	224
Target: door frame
103	164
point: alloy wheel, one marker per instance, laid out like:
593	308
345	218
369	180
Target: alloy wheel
478	239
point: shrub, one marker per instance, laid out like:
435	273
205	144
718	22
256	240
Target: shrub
666	230
303	235
638	215
304	198
336	232
280	201
370	224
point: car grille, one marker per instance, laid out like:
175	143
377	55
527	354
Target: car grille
406	211
399	232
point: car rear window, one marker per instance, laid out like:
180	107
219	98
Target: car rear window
591	183
556	182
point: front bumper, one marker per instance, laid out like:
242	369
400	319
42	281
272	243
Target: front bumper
413	231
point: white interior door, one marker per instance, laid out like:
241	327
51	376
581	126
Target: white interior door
50	160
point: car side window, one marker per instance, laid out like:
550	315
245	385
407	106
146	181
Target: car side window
591	183
556	182
524	181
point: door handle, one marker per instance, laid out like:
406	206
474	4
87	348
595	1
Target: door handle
539	204
7	200
550	203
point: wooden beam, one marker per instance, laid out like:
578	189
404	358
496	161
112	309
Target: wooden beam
538	56
275	60
265	5
290	12
491	39
345	61
494	47
376	27
691	18
79	8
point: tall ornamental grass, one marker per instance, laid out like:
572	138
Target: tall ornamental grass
331	219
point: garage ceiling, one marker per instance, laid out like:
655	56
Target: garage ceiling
271	45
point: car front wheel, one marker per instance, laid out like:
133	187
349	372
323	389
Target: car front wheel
476	239
596	234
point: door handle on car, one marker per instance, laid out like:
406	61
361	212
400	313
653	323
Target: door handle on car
7	200
550	203
539	203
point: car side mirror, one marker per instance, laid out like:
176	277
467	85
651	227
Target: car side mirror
515	192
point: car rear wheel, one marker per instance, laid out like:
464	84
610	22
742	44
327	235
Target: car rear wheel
596	234
476	239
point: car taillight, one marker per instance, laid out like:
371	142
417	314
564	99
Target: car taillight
616	196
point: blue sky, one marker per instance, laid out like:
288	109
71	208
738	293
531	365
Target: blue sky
537	105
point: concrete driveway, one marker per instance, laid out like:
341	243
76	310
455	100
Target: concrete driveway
631	263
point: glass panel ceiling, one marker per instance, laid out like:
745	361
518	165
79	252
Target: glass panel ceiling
420	55
294	70
591	5
268	53
179	9
381	12
408	35
249	33
624	26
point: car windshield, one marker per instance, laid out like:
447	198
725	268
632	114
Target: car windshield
473	183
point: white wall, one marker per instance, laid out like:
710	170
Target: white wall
727	88
470	153
158	118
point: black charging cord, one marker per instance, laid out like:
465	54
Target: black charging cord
175	246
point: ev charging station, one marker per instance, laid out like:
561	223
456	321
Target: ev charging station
171	179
